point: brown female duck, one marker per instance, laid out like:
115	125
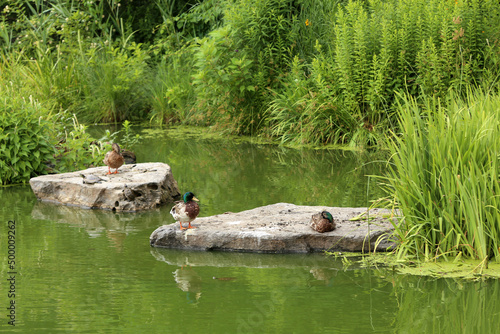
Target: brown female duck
114	159
322	222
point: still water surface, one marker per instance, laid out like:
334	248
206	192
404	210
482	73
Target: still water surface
89	271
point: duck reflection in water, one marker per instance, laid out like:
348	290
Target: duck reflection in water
190	282
324	275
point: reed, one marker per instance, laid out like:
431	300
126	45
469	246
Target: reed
443	173
114	79
170	91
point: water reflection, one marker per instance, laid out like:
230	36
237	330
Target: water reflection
190	282
370	300
323	275
446	306
308	261
96	223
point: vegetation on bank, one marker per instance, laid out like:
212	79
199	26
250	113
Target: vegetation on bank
423	73
302	72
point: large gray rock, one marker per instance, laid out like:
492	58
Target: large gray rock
136	187
280	228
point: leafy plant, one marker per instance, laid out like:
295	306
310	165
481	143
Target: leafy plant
25	148
114	83
129	139
307	110
223	83
170	91
78	150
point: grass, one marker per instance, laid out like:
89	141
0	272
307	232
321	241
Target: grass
443	172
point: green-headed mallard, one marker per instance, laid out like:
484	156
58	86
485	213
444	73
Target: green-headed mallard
186	210
322	222
114	159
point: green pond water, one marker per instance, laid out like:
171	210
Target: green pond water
90	271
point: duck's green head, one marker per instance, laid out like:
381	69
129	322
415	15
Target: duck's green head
327	215
189	196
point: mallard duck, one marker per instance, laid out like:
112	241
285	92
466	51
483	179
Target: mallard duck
190	282
114	159
186	210
322	222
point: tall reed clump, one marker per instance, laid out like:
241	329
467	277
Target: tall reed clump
170	91
77	56
309	110
114	84
443	173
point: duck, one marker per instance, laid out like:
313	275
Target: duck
322	222
186	210
114	159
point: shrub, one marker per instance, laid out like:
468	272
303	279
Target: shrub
308	110
170	91
223	84
25	148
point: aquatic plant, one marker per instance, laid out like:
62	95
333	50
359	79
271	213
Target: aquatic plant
443	173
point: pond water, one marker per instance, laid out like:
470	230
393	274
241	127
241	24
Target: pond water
90	271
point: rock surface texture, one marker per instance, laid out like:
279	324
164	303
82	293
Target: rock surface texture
280	228
136	187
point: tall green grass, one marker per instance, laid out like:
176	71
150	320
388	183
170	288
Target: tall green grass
443	173
170	91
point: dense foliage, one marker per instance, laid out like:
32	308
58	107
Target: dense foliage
23	141
303	72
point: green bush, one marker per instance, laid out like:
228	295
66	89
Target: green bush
308	110
233	64
25	147
239	63
170	90
223	84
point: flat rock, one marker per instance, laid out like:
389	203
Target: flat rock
281	228
136	187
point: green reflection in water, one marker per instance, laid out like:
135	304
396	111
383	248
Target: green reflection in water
89	271
446	305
